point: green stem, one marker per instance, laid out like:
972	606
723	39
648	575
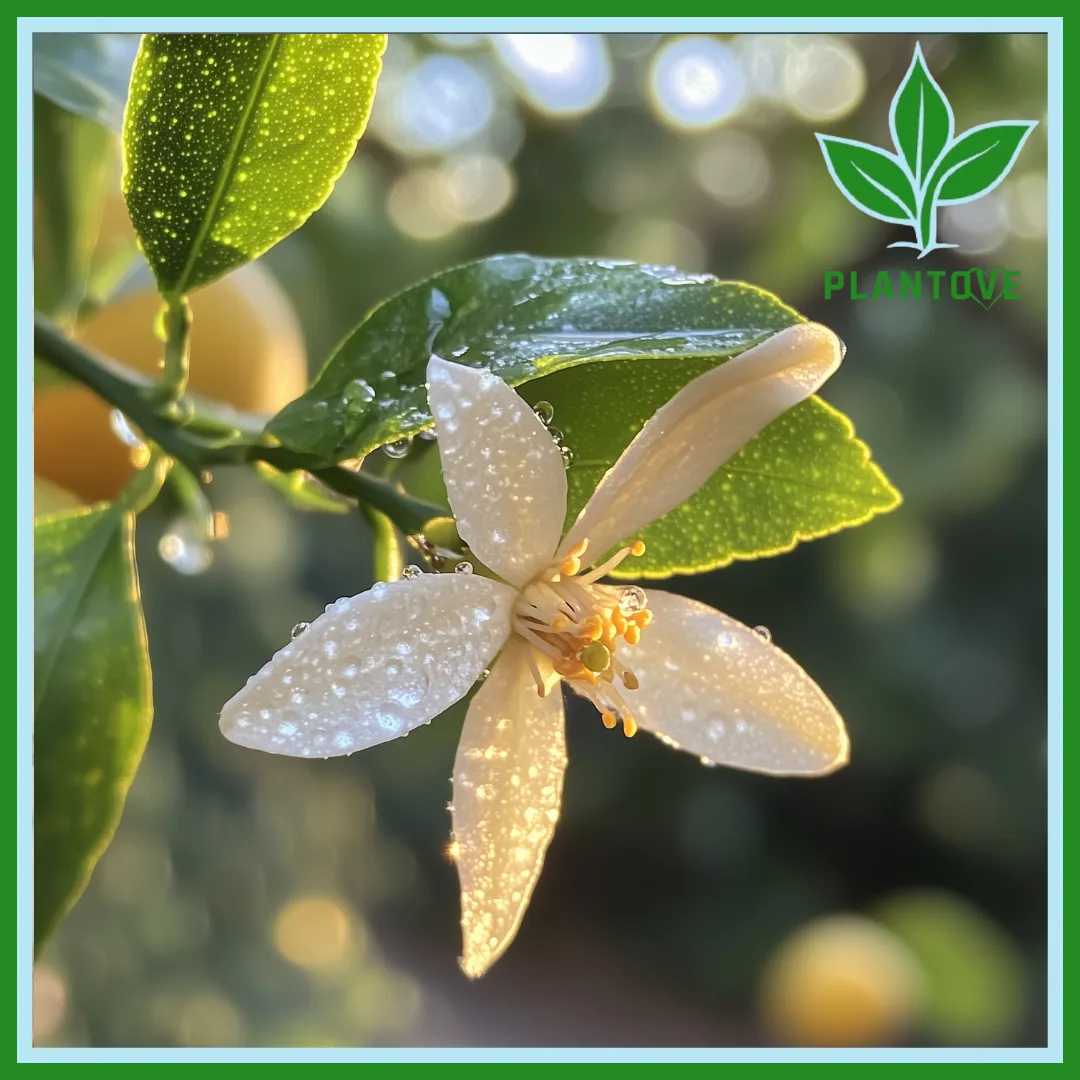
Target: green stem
177	348
177	430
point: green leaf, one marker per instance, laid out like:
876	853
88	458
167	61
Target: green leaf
86	74
232	141
921	119
979	160
92	697
870	179
72	156
521	317
802	477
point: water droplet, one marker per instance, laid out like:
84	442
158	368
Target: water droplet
632	598
183	550
398	449
411	571
122	429
428	435
463	568
763	632
556	434
545	411
298	629
567	456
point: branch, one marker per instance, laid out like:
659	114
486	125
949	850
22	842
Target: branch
201	434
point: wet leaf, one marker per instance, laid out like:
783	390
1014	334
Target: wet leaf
804	476
233	140
92	697
522	317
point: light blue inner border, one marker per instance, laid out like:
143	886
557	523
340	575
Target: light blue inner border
24	531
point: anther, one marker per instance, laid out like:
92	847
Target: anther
608	718
570	566
595	657
637	548
629	726
579	548
630	680
632	634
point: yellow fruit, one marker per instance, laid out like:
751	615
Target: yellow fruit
247	350
50	499
841	981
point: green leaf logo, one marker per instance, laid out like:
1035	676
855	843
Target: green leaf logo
931	167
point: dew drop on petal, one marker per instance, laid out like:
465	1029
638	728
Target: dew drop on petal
632	598
545	411
463	567
763	632
411	571
298	629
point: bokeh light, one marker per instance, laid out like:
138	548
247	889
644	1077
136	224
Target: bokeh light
560	74
976	227
733	167
316	932
696	82
823	78
841	981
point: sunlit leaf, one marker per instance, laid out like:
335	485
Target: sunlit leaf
804	476
92	697
233	140
521	317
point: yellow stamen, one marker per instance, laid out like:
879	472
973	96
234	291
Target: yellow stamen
632	634
579	548
608	718
630	680
629	726
642	617
570	566
637	548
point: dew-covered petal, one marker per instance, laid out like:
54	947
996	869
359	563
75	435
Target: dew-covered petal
708	421
373	667
721	691
504	474
508	779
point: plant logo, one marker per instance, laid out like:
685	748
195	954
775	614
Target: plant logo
931	167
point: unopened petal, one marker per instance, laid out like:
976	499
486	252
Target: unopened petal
373	667
707	422
508	780
721	691
504	474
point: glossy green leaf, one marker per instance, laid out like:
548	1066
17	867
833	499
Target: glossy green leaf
232	141
86	74
979	160
521	317
72	156
92	697
802	477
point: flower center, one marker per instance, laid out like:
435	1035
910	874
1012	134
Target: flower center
576	626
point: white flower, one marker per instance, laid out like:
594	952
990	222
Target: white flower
377	665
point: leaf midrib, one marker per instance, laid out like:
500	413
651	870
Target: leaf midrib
233	157
104	529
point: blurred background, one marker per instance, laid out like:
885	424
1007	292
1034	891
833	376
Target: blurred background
249	900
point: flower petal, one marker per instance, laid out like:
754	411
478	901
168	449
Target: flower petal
708	421
720	690
504	474
508	779
373	667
